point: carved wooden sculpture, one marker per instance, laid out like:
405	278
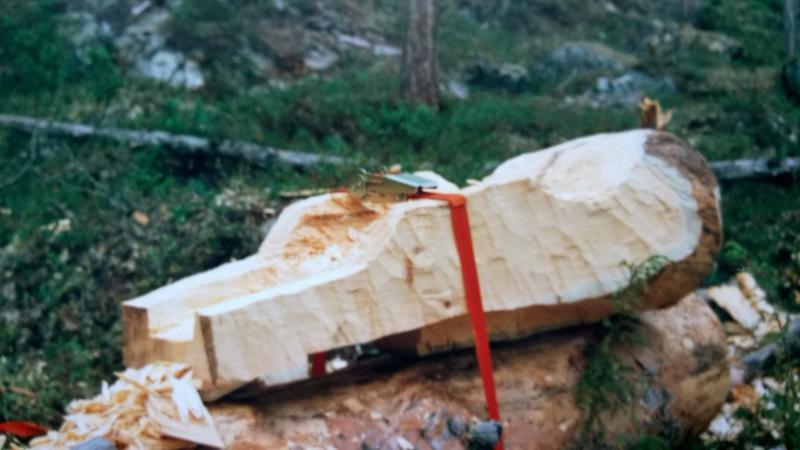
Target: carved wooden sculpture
550	232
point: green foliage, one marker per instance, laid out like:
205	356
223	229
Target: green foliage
627	299
36	59
32	54
762	228
753	22
608	383
60	286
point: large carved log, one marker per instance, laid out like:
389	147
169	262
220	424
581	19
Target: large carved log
550	231
681	372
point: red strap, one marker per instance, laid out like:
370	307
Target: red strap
318	362
21	428
462	234
472	291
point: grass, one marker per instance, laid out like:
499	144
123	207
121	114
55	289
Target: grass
60	290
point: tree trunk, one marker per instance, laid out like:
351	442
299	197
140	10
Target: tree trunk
790	26
690	9
680	374
419	67
551	230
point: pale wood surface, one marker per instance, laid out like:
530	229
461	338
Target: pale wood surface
550	231
681	371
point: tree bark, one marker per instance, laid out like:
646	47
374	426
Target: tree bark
550	229
680	374
790	26
419	67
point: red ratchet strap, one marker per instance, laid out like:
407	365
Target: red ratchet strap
462	234
318	361
472	291
21	428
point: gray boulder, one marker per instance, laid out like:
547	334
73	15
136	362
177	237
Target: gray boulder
512	78
170	67
83	30
576	58
627	89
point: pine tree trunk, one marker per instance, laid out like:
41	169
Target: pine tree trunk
419	77
790	26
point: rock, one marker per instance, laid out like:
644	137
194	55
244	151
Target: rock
674	38
83	30
581	57
509	77
353	41
627	89
144	37
386	50
484	435
257	61
791	79
171	67
320	59
458	89
97	443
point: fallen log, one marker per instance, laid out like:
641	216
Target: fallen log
260	155
680	371
740	169
551	230
253	153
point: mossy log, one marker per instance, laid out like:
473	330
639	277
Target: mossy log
679	379
550	231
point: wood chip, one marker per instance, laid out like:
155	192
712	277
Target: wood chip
731	299
140	217
745	396
156	406
404	444
354	405
652	116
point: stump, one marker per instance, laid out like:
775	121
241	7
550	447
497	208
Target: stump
681	374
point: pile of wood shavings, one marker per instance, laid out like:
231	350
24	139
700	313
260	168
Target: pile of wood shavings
156	406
